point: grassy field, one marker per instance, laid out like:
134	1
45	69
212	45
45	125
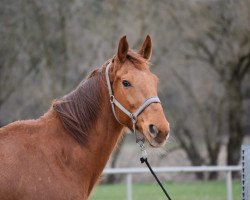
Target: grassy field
178	191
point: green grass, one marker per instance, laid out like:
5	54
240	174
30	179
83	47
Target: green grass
215	190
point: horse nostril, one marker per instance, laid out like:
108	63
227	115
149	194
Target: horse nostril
153	130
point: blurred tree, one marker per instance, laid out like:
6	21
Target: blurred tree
215	37
224	47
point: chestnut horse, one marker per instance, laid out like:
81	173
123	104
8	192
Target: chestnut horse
62	154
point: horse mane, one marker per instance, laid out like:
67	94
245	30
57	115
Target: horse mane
79	109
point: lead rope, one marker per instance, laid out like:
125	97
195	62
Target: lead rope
143	159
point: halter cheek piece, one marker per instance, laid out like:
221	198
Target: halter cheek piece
132	116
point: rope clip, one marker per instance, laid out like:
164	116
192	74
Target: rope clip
142	148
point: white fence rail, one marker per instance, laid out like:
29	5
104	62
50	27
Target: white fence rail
130	171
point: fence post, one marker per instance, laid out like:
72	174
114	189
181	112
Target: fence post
229	186
245	154
129	186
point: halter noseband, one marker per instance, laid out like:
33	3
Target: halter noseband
132	116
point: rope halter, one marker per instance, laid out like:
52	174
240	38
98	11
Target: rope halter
133	116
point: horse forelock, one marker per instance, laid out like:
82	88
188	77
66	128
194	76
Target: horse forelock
79	109
138	61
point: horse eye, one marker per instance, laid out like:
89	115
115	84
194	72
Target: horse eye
125	83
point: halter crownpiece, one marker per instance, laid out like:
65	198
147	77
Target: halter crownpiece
133	116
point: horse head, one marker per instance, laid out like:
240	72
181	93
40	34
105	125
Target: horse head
132	84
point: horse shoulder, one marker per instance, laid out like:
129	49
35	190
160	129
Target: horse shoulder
30	161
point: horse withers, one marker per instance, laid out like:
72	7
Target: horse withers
62	154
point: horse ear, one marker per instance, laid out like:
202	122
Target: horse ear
146	48
123	49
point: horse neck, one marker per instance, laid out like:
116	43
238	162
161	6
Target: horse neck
102	137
